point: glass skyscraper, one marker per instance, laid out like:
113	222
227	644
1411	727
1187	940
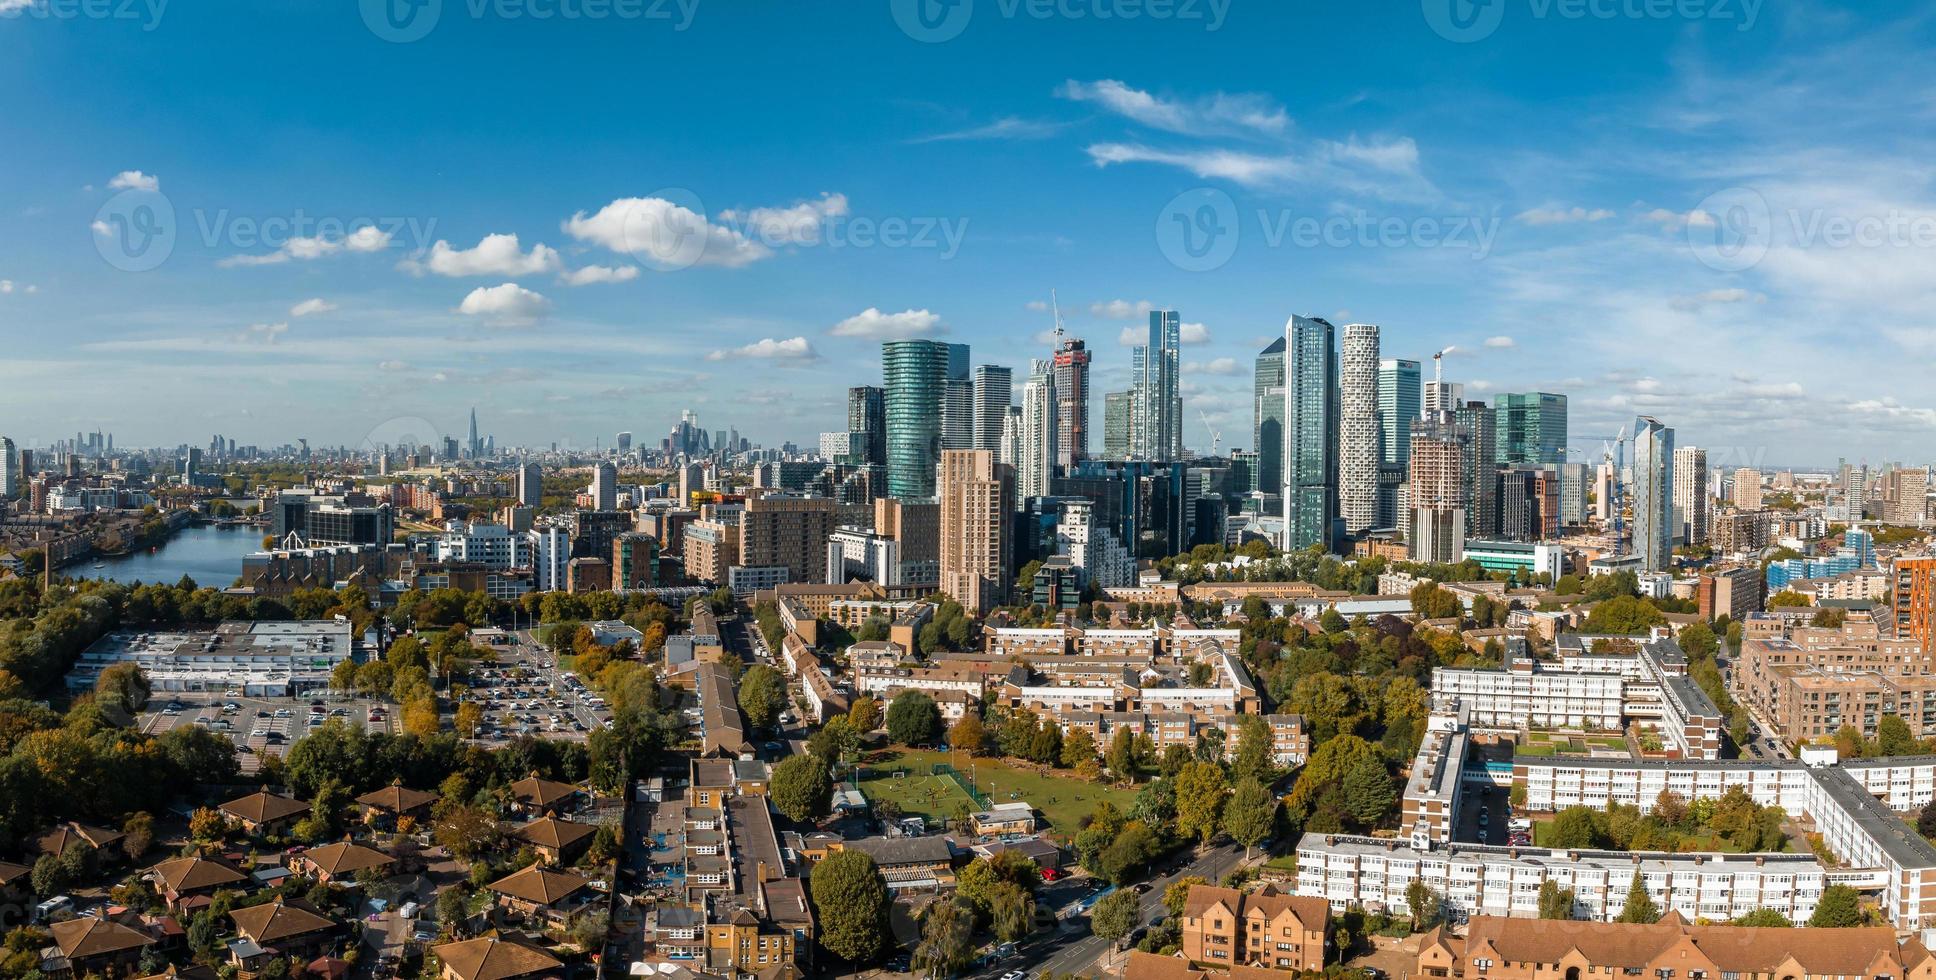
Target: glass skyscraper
1652	493
1268	431
1156	430
1532	428
1311	432
916	376
1400	399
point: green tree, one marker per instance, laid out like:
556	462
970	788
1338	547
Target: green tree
1893	737
1199	800
123	686
762	695
1628	615
1253	756
803	789
1555	902
912	719
1012	910
1840	907
947	939
1177	895
1079	747
1250	815
1115	916
1764	919
850	900
1640	907
1575	827
1369	790
1426	909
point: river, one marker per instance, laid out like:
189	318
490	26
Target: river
211	554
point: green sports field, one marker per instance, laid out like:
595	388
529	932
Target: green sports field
1063	799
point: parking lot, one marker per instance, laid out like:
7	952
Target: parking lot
525	693
256	724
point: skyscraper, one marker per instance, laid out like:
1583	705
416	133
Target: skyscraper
1071	403
1481	472
1035	468
476	448
958	414
1358	433
1116	412
1310	432
1690	495
916	375
1532	428
1156	417
1652	492
624	443
994	390
1747	488
530	485
1437	488
975	503
1400	399
9	477
604	486
867	419
1267	434
1443	396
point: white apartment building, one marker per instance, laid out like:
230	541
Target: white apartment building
490	545
550	550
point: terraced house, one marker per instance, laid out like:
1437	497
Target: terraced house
1266	928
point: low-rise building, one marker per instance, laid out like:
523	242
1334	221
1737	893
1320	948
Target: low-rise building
1267	928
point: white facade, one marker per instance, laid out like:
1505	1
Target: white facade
490	545
856	553
1091	547
550	550
1358	430
1036	470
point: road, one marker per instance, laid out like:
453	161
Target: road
1066	951
1764	746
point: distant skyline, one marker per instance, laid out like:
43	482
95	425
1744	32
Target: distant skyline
583	228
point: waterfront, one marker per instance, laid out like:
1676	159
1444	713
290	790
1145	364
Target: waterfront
211	554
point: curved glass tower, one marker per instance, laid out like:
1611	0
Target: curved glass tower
915	376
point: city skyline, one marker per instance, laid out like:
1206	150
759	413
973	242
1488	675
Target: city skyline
1592	273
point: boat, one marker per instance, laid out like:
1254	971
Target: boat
100	564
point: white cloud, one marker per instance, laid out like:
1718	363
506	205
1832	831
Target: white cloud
1005	128
495	255
1385	168
1037	305
262	333
872	324
1122	309
672	236
100	227
1713	296
368	238
1193	333
392	366
1671	221
509	304
594	274
792	349
134	180
1220	112
1561	216
1500	342
796	225
8	286
310	307
1249	169
1221	365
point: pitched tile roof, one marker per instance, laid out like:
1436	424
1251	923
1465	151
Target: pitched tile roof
263	806
194	874
344	857
273	922
1733	949
491	958
541	885
396	798
1267	900
542	792
88	936
10	872
58	840
552	832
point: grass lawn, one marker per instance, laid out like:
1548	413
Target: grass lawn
1535	749
1061	798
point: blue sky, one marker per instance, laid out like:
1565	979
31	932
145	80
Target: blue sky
1721	216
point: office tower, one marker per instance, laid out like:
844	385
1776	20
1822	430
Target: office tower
1011	454
1358	433
1606	492
635	561
1038	451
530	485
1156	410
915	528
993	391
783	530
1071	403
624	443
1747	488
550	553
958	414
1116	411
1267	433
9	475
1310	432
1575	485
604	486
1400	399
1652	493
1481	471
1690	495
867	419
916	375
975	503
1529	503
1437	488
192	465
1531	427
1442	396
1855	489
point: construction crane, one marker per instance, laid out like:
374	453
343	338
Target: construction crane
1055	308
1216	434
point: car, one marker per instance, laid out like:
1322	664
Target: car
1372	973
283	712
1014	975
1051	874
423	935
